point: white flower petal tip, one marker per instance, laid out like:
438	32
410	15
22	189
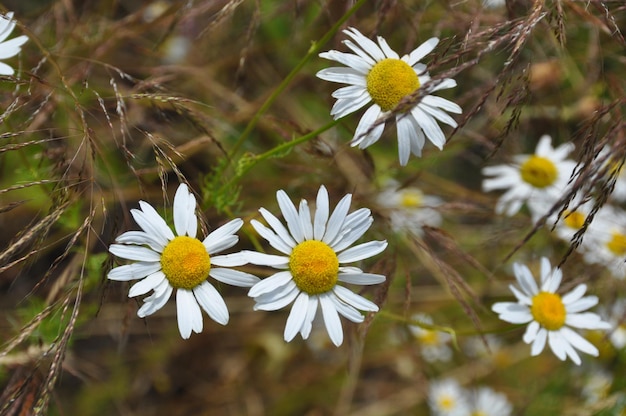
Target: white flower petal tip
12	47
368	70
161	260
550	316
326	236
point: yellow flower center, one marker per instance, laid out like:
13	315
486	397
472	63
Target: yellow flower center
389	81
314	267
574	220
428	337
411	198
548	310
446	402
478	413
539	171
617	244
185	262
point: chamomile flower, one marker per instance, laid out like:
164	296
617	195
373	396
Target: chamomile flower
433	344
608	245
378	75
572	220
484	401
9	48
539	179
447	398
164	262
409	208
551	317
314	252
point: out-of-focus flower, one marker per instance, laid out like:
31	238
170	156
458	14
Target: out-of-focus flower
164	262
378	75
9	48
447	398
597	386
550	317
311	264
409	209
606	243
484	401
433	344
538	180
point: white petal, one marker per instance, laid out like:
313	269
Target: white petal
531	332
151	222
274	239
185	221
430	127
355	300
142	238
291	216
337	218
389	53
155	302
539	343
305	331
579	342
346	106
348	59
305	219
406	132
361	278
234	277
368	45
212	302
362	251
278	227
134	253
342	75
214	241
421	51
582	304
6	69
574	295
557	345
297	316
525	279
321	214
133	271
144	286
365	134
270	284
229	260
331	320
263	259
271	302
435	101
188	313
347	311
12	47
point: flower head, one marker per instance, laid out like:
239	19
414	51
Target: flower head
378	75
539	179
550	316
9	48
409	208
486	402
447	398
433	344
605	240
312	264
164	262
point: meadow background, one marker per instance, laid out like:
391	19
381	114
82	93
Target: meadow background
117	101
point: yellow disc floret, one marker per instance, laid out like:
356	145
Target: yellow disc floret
617	244
539	171
411	198
314	267
548	310
574	220
185	262
389	81
446	402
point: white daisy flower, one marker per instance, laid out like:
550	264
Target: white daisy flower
549	316
572	220
433	344
607	244
164	262
9	48
409	209
616	169
314	252
378	75
487	402
447	398
539	179
597	386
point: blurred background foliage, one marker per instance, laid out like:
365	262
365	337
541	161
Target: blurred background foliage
117	101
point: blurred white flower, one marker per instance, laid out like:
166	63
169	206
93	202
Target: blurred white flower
484	401
447	398
606	243
408	208
538	180
9	48
311	264
550	317
164	262
378	75
597	386
433	344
